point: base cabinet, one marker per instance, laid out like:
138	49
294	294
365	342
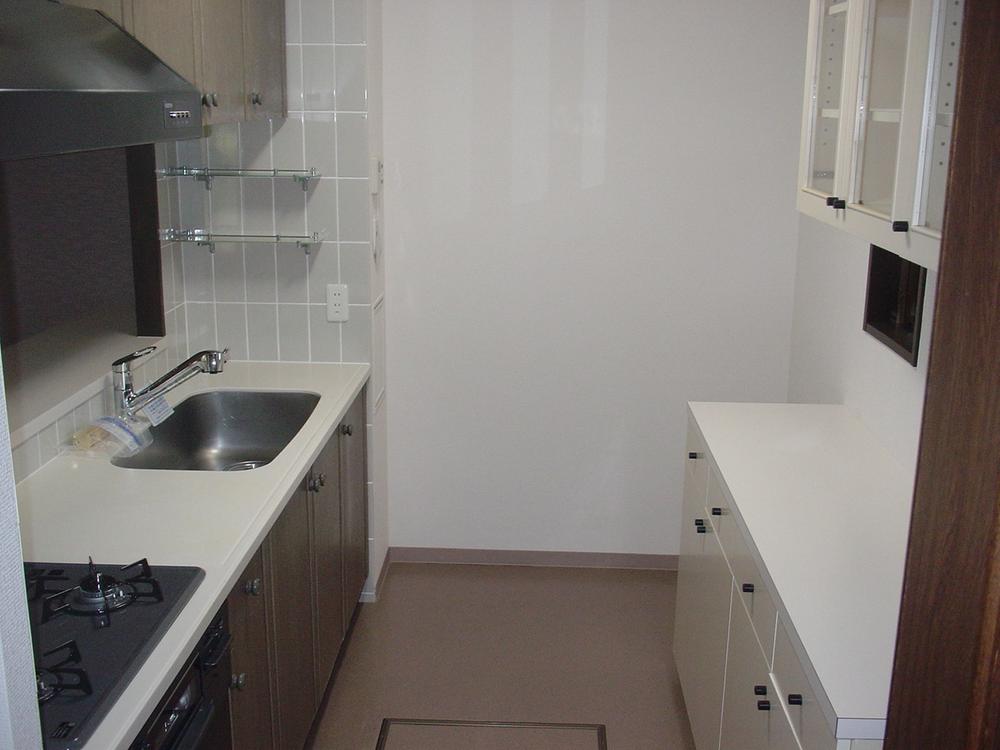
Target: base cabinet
250	687
328	561
704	595
292	605
287	565
744	686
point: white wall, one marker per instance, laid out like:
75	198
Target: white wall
590	221
835	361
19	726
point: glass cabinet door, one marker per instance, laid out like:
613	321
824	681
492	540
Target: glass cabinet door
881	104
940	111
828	81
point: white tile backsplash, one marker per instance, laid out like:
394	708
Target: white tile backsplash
320	87
317	21
349	22
351	79
352	145
293	333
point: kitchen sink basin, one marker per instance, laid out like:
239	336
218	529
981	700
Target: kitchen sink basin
225	431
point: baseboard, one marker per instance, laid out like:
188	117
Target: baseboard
368	597
538	558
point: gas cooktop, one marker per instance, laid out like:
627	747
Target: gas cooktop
92	627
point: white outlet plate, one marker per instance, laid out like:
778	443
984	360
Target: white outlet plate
336	303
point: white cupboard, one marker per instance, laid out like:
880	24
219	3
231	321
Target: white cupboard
877	119
787	597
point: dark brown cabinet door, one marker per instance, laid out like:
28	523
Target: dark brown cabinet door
354	504
250	691
169	28
222	60
111	8
328	593
288	582
264	54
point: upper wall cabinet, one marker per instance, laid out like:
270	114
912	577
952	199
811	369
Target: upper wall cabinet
877	120
233	50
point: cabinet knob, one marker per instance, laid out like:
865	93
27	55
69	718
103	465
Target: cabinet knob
747	588
238	681
701	529
839	203
253	587
763	705
794	699
760	689
716	511
694	456
830	200
900	226
206	100
346	429
215	99
317	481
256	99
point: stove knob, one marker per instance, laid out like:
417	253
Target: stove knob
253	587
238	681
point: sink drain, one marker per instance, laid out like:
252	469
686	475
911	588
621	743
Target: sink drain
244	465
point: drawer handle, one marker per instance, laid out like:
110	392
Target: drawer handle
695	456
794	699
716	511
839	204
900	226
763	705
760	689
747	588
253	587
701	529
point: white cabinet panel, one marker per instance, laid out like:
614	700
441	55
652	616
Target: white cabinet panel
704	594
744	724
797	694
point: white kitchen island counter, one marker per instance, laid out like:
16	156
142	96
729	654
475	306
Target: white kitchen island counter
75	507
827	509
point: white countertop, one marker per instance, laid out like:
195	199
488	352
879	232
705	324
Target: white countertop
74	507
829	511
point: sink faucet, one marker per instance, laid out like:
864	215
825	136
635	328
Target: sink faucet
128	401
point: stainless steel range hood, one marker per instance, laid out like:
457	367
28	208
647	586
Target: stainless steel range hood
72	80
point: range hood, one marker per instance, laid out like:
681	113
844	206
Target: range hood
73	80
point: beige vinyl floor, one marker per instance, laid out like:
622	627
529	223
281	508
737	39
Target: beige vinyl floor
510	644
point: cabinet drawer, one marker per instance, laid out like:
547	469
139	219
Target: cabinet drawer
750	586
803	707
696	460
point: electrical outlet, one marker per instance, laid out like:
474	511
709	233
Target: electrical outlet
336	303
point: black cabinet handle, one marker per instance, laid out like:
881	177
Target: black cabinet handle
794	699
763	705
701	529
716	511
694	456
900	226
346	429
830	200
760	689
839	203
699	522
747	588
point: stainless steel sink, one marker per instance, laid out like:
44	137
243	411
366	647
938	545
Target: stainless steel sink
225	431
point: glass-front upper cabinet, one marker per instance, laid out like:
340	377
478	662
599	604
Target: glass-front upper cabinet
877	119
939	114
826	84
880	105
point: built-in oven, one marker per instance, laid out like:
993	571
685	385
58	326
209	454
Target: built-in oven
194	713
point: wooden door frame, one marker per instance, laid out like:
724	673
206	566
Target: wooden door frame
946	680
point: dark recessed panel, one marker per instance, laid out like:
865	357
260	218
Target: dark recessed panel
894	303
